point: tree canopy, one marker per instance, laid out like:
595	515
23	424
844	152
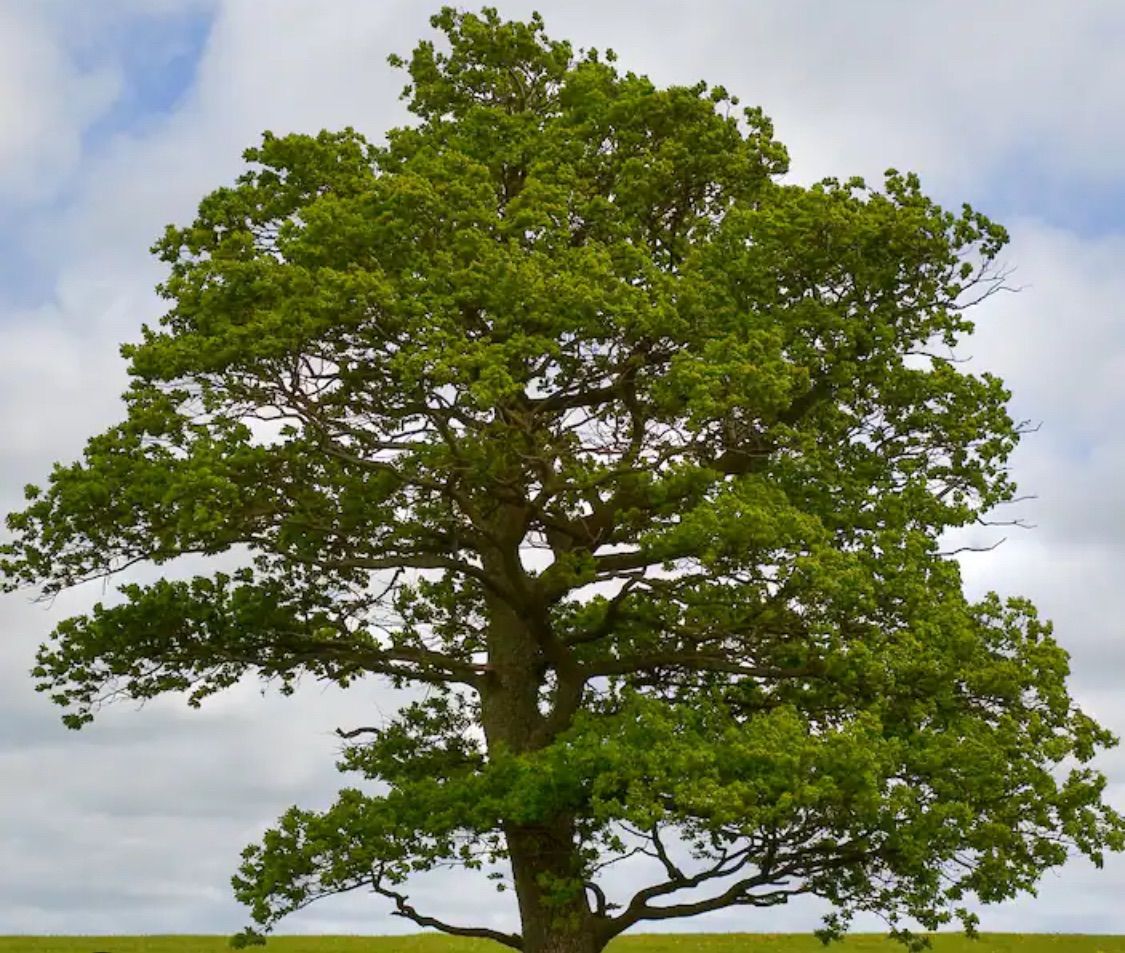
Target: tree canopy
564	404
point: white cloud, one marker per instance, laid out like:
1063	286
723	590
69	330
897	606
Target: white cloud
45	104
951	89
1059	341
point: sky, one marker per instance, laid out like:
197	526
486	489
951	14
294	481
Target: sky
116	117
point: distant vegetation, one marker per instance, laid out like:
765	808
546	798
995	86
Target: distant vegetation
666	943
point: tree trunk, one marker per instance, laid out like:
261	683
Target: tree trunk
554	912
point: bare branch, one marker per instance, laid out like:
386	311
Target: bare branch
356	732
674	872
601	904
404	909
972	549
695	660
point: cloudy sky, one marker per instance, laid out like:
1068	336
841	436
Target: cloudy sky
116	116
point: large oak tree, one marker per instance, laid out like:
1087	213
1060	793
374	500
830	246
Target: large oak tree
564	405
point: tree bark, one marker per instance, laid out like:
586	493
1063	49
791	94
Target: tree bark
555	913
544	859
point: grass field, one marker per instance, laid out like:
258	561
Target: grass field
658	943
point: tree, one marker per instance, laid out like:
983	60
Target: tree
562	405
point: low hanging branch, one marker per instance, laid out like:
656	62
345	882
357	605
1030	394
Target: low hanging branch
405	910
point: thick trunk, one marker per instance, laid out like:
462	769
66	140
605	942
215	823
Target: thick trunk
546	868
554	912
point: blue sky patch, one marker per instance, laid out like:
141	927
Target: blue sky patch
1090	206
158	57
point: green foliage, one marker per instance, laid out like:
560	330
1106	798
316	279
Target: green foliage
568	310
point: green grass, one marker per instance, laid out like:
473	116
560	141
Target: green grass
653	943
